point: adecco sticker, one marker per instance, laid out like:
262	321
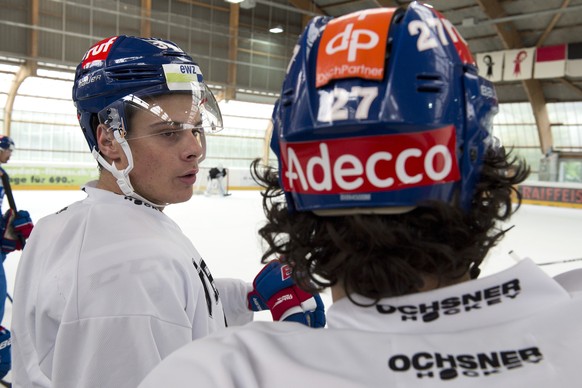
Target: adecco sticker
370	164
354	46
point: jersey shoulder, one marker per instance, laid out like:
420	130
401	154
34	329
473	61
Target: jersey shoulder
571	281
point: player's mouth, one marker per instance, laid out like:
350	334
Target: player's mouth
189	178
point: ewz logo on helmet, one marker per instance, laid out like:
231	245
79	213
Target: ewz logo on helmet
188	69
373	163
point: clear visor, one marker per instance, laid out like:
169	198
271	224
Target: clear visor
140	114
170	115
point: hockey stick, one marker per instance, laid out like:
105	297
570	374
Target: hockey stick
8	191
227	191
515	257
560	261
11	203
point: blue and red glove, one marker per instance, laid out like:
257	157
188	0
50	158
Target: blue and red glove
22	224
5	357
275	290
16	229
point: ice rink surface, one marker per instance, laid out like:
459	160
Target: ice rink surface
223	229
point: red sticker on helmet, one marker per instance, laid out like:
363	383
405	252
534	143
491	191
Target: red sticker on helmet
460	44
354	46
97	54
370	164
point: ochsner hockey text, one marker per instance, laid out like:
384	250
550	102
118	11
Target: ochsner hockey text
450	366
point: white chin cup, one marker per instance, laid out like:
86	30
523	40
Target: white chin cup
122	176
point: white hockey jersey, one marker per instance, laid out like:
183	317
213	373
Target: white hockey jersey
107	288
517	328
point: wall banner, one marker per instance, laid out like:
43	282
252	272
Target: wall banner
49	177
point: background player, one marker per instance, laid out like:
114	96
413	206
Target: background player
109	286
393	186
14	229
216	177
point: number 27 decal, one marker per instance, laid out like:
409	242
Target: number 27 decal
333	104
426	40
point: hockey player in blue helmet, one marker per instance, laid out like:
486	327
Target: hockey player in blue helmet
388	190
14	230
6	144
110	285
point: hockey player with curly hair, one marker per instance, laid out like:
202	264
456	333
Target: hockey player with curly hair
390	189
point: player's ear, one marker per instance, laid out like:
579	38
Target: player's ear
108	147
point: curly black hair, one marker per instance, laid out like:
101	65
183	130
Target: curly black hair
381	255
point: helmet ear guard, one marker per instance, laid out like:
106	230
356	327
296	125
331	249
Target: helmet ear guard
356	136
481	108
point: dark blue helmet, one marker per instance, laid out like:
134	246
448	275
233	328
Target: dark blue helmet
380	110
6	143
121	75
122	69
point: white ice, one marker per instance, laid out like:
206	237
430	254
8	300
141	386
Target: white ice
224	230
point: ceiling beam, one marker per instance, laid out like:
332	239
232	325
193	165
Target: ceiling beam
146	18
233	27
287	7
307	5
522	16
205	5
24	71
552	24
511	39
506	31
34	34
571	86
27	69
387	3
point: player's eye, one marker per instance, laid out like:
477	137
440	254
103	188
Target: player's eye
170	133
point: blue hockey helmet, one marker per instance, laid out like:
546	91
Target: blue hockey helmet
6	143
124	74
125	70
379	111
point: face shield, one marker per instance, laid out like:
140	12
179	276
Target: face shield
176	114
163	115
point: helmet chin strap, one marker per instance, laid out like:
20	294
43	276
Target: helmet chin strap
122	176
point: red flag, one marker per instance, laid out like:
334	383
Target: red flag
550	61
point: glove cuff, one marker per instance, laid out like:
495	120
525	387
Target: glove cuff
283	304
9	245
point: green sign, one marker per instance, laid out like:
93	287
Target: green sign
49	177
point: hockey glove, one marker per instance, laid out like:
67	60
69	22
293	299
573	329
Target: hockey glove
5	357
22	224
275	290
16	229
